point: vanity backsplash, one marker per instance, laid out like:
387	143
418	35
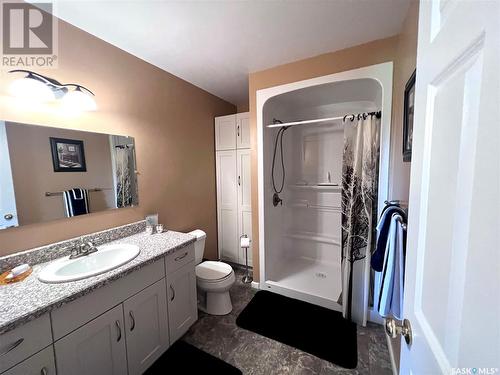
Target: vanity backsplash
56	250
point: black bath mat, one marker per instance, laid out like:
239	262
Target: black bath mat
313	329
183	358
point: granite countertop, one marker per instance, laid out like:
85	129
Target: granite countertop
30	298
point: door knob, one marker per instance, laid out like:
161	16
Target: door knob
8	216
393	329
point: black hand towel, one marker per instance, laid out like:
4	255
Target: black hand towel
76	202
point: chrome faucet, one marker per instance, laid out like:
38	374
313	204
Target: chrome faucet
82	249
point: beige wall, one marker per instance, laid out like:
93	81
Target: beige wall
242	108
403	69
33	173
171	120
398	49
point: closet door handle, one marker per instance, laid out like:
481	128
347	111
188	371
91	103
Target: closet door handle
238	130
239	180
132	320
173	293
12	347
119	329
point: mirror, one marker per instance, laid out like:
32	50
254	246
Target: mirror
50	173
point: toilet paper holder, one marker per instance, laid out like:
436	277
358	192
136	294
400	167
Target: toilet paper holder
245	244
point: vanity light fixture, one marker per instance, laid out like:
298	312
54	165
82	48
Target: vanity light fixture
35	86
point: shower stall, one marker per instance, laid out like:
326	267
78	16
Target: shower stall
300	164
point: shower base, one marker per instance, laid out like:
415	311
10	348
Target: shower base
308	280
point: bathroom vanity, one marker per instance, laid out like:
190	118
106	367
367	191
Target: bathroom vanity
117	322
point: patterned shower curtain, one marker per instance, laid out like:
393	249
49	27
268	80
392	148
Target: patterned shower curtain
123	184
359	201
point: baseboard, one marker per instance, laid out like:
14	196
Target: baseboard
255	285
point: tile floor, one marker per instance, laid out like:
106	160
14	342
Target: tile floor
255	354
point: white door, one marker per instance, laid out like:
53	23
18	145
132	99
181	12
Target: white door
8	211
146	322
182	302
225	132
227	205
452	297
243	130
244	201
98	347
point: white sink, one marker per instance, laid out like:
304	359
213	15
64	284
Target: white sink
106	258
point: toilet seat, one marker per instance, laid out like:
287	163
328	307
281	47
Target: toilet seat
213	271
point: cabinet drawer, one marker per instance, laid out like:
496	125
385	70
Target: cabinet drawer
20	343
75	314
179	258
42	363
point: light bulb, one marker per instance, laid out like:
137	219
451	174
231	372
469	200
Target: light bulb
78	100
31	89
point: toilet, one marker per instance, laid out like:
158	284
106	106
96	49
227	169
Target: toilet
213	280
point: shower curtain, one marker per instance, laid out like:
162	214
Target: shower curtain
359	202
124	195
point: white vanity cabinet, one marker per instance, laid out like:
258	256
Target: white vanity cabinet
42	363
146	322
24	341
125	326
182	303
96	348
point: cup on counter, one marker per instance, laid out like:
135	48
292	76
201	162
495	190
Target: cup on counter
149	229
159	228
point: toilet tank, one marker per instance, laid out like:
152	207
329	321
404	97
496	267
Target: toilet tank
199	245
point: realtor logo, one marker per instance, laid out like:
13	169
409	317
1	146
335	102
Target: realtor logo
28	34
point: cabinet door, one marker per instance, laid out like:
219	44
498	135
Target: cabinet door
244	202
243	130
227	205
146	322
182	303
98	347
42	363
225	132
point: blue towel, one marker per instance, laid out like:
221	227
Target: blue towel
377	260
76	202
392	285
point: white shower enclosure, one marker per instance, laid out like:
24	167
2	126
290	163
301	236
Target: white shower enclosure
300	239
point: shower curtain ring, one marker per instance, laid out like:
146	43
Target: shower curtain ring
353	117
344	118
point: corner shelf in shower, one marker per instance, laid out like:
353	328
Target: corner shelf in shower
308	236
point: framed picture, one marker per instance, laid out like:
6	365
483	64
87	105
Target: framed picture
409	109
68	155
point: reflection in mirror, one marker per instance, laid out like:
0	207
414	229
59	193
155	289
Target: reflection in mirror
50	173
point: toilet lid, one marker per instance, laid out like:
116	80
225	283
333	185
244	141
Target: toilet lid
210	270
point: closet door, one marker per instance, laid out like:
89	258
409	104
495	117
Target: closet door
244	202
227	205
243	130
225	133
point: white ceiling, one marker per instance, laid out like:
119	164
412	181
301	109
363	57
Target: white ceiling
215	44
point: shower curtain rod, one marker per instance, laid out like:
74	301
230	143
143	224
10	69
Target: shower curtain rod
278	124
